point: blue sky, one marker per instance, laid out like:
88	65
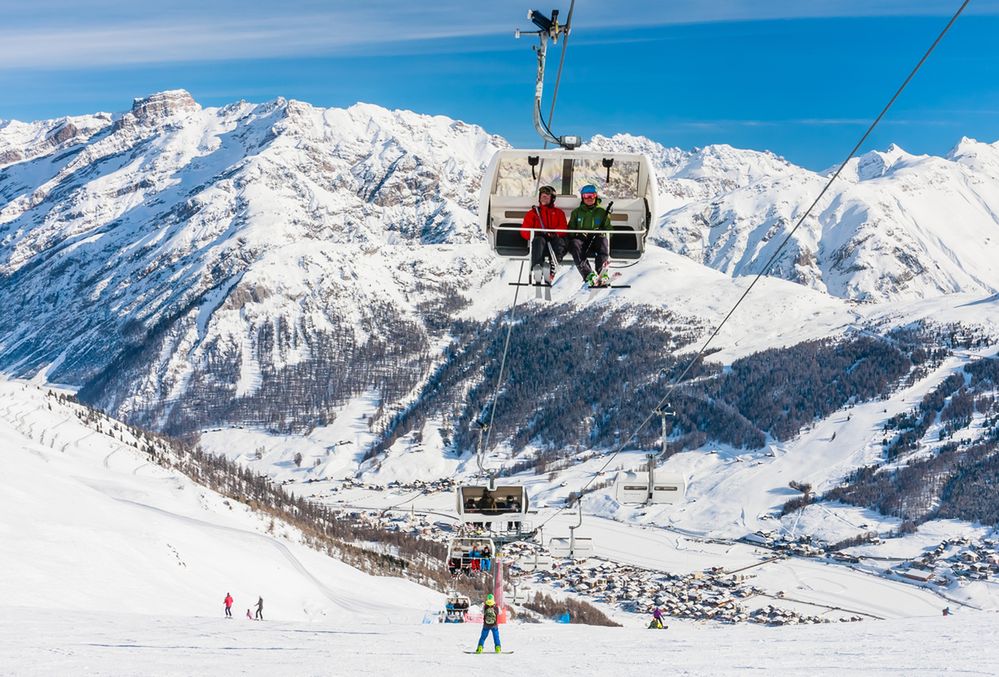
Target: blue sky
801	78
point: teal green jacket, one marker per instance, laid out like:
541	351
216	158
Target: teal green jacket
584	217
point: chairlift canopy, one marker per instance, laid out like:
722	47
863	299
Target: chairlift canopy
502	503
633	487
510	191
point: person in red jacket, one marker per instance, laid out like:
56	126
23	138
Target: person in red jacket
548	238
228	605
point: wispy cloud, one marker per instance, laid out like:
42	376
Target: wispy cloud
90	33
209	36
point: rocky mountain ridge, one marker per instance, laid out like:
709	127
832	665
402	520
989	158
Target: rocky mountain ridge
188	266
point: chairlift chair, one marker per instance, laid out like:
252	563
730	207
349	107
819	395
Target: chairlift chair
510	191
574	547
456	606
536	562
486	505
635	487
466	554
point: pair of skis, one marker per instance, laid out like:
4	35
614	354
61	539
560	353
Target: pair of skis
538	275
539	283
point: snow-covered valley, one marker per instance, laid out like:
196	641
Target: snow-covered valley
114	565
285	284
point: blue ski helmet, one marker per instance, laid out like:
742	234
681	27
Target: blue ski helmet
588	189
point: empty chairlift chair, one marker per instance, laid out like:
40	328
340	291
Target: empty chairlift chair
636	487
510	190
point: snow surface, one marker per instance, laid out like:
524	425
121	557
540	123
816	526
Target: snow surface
115	566
89	524
45	642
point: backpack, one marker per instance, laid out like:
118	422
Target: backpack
489	616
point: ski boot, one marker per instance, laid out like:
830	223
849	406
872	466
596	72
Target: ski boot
592	280
499	649
478	649
536	274
604	280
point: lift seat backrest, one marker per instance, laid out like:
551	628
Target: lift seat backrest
627	216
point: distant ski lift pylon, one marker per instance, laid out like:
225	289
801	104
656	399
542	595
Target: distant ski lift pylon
510	191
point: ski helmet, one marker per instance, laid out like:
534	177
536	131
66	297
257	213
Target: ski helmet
490	600
588	189
547	190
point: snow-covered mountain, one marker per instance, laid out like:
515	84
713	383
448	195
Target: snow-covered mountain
892	226
157	245
266	263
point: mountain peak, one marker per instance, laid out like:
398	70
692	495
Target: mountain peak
877	163
162	105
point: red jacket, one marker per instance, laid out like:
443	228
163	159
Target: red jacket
552	218
228	600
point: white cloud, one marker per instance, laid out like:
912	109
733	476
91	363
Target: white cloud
59	33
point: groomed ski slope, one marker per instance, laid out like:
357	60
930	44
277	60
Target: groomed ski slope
48	642
113	566
87	523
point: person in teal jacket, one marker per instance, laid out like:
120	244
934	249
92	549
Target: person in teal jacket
589	215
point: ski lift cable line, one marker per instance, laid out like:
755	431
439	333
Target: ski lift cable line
499	376
412	498
676	381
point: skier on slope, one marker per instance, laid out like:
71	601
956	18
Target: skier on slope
548	241
657	620
260	609
489	620
589	215
228	605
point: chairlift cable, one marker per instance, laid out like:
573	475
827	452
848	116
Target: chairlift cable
676	381
499	377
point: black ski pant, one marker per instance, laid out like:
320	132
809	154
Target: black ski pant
582	246
539	249
228	611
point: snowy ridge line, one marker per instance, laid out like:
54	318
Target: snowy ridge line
308	520
151	513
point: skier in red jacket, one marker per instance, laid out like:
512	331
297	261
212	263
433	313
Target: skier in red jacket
228	605
548	240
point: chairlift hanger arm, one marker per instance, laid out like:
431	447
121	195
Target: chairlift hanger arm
548	29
